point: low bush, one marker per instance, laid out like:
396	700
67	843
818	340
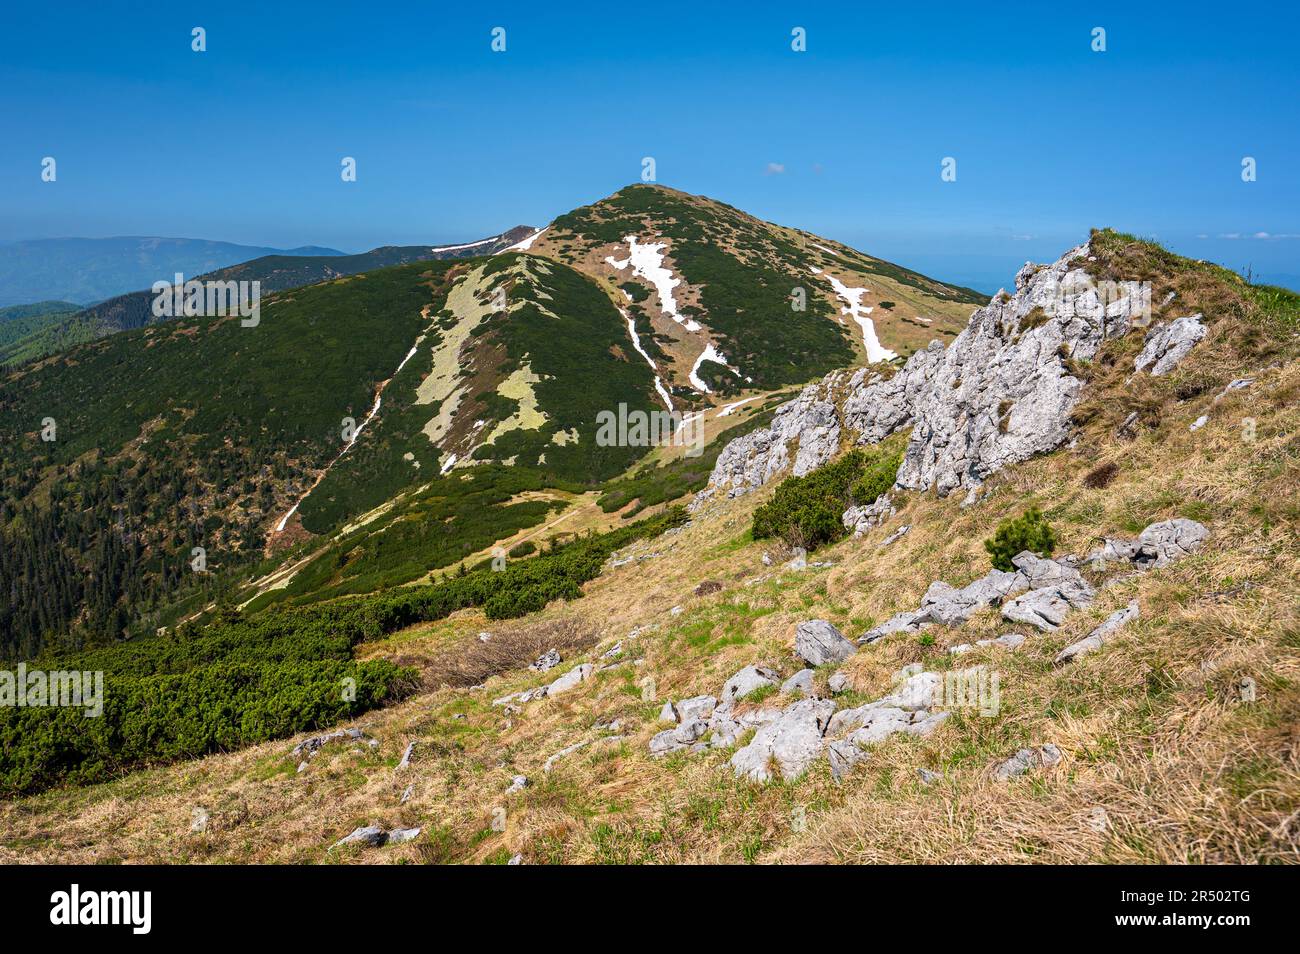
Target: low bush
1030	531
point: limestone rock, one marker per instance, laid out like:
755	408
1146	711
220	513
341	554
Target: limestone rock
548	660
793	741
746	681
1168	343
1097	638
372	836
817	642
1042	757
801	683
571	679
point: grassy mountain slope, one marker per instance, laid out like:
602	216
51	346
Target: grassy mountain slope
737	277
31	331
193	433
1163	760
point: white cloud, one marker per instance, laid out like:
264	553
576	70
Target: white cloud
1262	236
774	169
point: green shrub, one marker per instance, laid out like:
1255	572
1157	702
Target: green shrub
808	511
877	478
1030	531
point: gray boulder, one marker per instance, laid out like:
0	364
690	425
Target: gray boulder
1162	543
1097	638
800	684
400	836
1167	344
548	660
1042	757
817	642
746	681
570	680
793	741
371	836
696	707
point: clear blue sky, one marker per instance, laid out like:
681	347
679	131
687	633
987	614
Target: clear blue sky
243	143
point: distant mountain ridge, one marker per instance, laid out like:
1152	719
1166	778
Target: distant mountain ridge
277	272
87	270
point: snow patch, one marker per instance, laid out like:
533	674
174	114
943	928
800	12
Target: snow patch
527	243
647	262
636	343
710	354
859	313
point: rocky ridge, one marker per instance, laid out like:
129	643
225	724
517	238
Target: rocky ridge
1001	393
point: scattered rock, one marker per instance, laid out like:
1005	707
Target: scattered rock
746	681
309	747
406	757
895	536
861	519
199	821
517	784
1098	820
696	708
793	741
1042	757
484	637
676	611
548	660
838	682
516	860
799	561
817	642
1199	422
1246	689
400	836
1097	638
372	836
571	679
801	683
568	750
668	713
928	777
406	794
1167	344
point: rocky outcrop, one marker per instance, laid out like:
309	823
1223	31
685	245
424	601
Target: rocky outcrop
1168	343
861	519
791	742
803	435
1156	546
1001	393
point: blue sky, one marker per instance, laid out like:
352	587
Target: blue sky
452	141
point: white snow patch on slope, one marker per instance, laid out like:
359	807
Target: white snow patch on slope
710	354
828	251
456	248
636	343
527	243
861	314
647	262
447	464
728	409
